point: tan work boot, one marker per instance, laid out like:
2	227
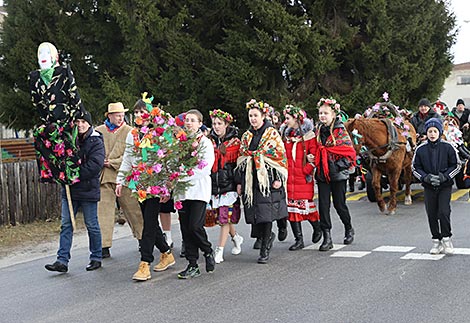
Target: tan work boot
166	260
143	273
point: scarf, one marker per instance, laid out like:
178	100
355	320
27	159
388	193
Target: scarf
343	148
46	75
270	154
111	126
227	152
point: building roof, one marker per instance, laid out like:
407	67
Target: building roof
462	67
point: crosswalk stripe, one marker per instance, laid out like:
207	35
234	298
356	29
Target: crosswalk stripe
350	254
421	256
461	251
393	249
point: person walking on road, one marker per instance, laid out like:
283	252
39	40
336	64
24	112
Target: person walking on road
152	234
224	200
195	199
300	143
115	131
435	164
334	161
85	194
262	176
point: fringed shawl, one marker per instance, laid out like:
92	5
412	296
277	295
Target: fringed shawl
270	154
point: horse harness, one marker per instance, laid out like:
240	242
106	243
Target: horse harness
392	145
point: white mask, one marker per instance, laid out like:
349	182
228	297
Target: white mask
47	54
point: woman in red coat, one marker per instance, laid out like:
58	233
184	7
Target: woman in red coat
299	140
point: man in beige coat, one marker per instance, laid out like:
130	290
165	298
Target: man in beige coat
114	132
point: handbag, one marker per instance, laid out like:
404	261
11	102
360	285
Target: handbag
211	216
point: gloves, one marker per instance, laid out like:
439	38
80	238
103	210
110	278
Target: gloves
432	179
442	178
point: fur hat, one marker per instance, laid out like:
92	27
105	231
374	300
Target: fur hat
85	115
434	122
115	107
425	102
460	101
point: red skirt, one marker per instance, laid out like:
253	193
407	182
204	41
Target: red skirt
301	210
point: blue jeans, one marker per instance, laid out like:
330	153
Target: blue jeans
90	215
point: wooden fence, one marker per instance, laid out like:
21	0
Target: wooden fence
23	199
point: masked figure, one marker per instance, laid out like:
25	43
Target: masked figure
55	95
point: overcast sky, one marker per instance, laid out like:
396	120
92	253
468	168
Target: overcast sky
461	49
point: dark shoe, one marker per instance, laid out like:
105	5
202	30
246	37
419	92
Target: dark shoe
93	265
257	244
183	250
317	233
299	239
266	246
121	221
57	266
282	234
327	243
210	262
351	188
190	272
348	236
298	245
105	253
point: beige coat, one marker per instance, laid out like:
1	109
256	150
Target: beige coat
115	144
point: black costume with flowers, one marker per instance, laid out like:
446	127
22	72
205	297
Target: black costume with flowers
55	139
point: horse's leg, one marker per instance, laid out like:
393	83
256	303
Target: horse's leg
408	176
393	178
376	176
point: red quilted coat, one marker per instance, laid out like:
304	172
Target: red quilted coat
300	185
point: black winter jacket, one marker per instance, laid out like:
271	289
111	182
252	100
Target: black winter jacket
223	180
418	122
434	158
92	156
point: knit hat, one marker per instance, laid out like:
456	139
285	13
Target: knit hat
85	115
434	122
425	102
460	101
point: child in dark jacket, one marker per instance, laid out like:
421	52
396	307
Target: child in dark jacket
435	164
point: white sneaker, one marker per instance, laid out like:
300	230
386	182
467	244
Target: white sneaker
237	244
448	246
219	255
437	247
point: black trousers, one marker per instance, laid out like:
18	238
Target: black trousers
338	191
437	204
282	223
192	219
152	234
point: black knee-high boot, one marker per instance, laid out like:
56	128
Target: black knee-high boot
327	243
317	233
266	244
299	239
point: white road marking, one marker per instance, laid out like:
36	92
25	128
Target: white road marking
422	256
393	249
316	246
350	254
461	251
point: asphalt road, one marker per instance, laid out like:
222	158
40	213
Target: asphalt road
356	283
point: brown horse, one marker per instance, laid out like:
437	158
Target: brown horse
388	155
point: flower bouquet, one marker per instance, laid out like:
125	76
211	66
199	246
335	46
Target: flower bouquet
166	156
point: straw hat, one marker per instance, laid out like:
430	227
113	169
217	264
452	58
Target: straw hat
115	107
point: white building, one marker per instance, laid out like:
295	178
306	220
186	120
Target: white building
457	86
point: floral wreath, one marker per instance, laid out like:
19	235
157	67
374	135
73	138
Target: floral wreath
263	107
294	111
217	113
388	110
331	103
